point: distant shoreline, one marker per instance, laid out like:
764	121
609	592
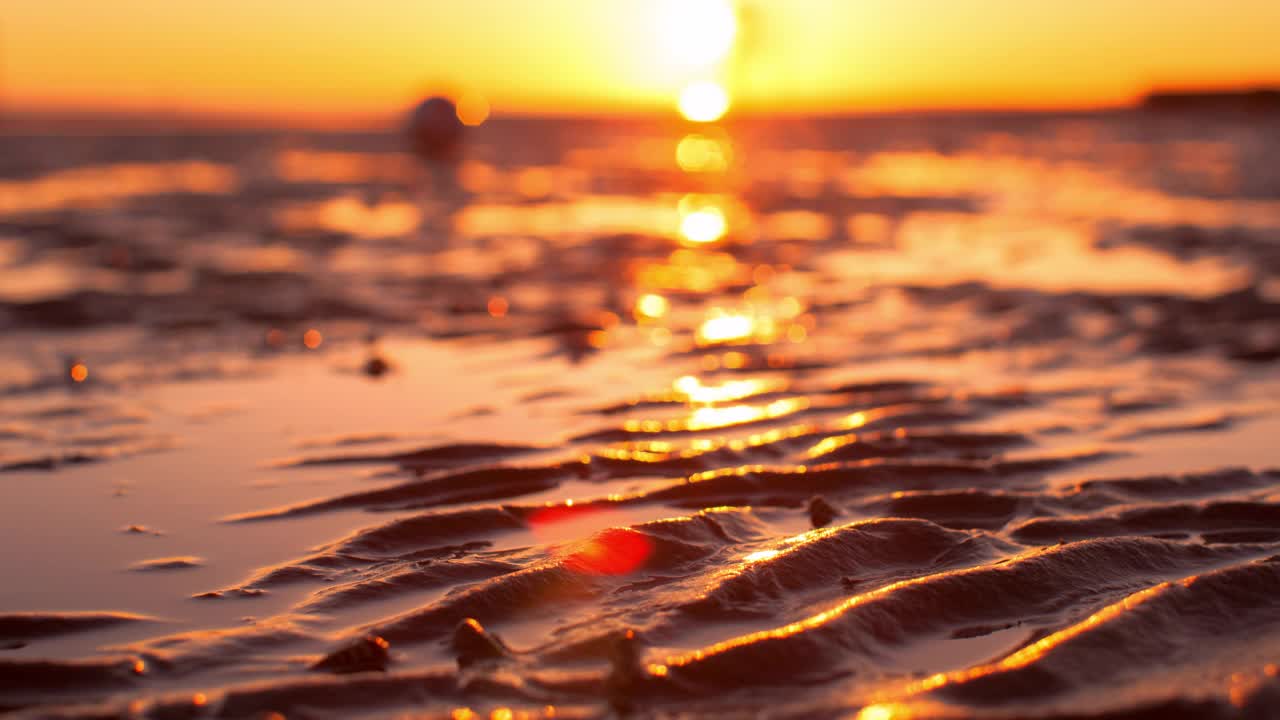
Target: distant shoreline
32	122
1265	99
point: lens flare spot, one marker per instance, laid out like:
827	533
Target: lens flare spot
616	551
704	102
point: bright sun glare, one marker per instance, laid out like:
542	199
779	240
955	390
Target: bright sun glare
704	102
698	33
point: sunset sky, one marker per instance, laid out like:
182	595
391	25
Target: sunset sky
341	57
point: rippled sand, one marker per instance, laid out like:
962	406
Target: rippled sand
885	418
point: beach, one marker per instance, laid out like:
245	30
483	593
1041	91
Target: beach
899	416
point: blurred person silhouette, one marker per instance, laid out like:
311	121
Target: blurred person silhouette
435	132
436	135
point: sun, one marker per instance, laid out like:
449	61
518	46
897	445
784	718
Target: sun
704	102
698	33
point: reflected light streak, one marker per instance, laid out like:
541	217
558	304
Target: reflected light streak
884	711
659	451
715	418
1033	652
711	418
808	623
761	555
722	327
692	390
94	185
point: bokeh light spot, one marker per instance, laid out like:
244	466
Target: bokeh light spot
651	306
535	182
697	153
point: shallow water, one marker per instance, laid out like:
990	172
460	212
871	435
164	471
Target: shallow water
264	396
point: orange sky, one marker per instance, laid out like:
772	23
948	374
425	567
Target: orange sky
327	57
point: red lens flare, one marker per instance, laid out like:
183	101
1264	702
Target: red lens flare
616	551
608	551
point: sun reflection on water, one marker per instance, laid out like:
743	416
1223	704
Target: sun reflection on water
699	153
724	327
694	391
651	306
691	270
704	102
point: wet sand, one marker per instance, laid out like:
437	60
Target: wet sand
881	418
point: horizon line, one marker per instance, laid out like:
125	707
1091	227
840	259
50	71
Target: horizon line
79	120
